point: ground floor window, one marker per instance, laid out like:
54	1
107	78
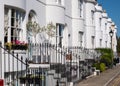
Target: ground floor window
13	24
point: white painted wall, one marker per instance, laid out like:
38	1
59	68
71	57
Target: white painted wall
66	13
104	29
68	8
68	20
50	10
16	3
115	40
98	32
55	13
109	23
89	25
1	38
77	23
39	8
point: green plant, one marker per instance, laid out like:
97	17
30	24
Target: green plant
16	45
96	65
106	56
102	67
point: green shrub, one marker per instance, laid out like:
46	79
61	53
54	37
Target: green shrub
106	56
102	67
96	65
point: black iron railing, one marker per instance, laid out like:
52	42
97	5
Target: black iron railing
68	62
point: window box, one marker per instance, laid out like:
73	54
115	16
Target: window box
16	46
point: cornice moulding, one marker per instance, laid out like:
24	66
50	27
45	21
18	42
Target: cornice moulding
91	1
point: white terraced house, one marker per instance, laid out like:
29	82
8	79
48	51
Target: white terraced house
45	42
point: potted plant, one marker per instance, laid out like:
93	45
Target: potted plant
16	45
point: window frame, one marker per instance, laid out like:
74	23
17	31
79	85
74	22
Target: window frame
80	7
80	38
59	33
92	16
15	24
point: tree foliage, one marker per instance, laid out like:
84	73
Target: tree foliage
50	29
34	28
106	56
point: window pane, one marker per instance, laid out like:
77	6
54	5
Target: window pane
12	21
80	34
13	13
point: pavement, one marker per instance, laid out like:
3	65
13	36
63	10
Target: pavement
103	79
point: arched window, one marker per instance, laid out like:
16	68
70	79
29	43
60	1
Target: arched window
31	19
32	16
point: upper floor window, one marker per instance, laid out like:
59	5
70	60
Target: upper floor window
92	40
80	7
100	42
100	21
105	26
32	16
92	16
59	2
6	24
106	44
80	38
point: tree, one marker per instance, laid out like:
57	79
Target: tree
50	30
34	28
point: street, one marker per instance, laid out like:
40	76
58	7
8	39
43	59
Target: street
104	79
115	81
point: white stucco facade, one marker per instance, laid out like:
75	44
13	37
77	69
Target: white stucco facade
98	31
67	14
89	23
84	23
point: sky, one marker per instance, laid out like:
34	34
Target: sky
112	7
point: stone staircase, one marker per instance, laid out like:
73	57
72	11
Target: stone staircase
58	72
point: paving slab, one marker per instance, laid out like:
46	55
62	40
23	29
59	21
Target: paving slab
102	79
